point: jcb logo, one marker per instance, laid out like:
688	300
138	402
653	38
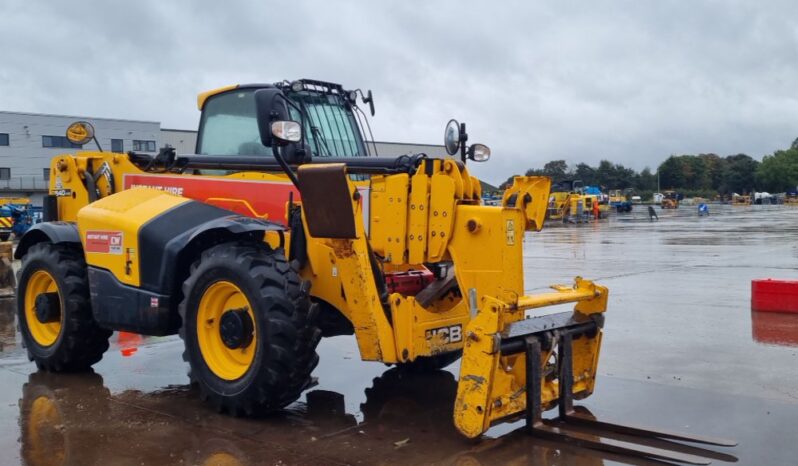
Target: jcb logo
449	334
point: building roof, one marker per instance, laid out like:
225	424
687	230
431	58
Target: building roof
179	130
8	112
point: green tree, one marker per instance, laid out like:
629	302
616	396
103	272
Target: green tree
586	173
693	168
778	172
614	176
645	180
713	172
556	169
738	174
671	174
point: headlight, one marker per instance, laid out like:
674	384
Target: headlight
287	131
479	153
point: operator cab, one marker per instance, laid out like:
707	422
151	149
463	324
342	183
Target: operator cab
331	120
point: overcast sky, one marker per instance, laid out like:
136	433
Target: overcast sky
630	81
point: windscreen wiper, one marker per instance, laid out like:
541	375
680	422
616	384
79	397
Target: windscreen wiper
318	136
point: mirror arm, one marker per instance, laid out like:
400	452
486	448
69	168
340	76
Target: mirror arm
463	139
276	150
97	142
284	165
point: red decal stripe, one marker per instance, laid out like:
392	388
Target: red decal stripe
253	198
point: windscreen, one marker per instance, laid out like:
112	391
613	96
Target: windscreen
229	125
331	129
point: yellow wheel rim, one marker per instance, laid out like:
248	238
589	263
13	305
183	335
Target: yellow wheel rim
226	363
46	333
45	442
222	459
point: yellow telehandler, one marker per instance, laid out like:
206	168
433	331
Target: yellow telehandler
284	227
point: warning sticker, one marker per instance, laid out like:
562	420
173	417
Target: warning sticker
104	242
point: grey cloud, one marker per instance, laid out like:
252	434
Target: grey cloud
632	81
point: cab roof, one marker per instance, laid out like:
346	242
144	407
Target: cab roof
307	84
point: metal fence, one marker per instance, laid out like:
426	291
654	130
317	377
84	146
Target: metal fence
24	183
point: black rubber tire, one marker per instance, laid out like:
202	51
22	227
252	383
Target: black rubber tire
81	341
285	354
425	364
403	401
5	236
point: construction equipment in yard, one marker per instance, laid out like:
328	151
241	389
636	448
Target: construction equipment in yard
670	200
282	229
559	198
7	281
7	221
17	215
569	203
620	200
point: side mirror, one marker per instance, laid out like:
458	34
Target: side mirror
452	137
80	132
270	107
369	99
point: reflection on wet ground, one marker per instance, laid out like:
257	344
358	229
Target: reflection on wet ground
76	420
7	328
682	351
775	328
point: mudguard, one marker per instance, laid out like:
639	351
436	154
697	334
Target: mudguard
53	232
173	240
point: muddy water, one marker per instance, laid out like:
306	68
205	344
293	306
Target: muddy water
681	350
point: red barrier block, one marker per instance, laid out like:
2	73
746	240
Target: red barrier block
774	295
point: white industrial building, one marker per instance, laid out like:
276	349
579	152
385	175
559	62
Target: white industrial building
28	141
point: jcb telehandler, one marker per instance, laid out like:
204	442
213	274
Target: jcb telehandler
284	228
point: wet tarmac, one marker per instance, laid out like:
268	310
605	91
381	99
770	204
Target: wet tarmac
681	350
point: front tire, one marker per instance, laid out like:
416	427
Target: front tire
54	310
248	329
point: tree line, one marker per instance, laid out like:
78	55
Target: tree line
704	175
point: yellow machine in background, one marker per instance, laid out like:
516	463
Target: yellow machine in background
567	202
558	206
281	230
670	200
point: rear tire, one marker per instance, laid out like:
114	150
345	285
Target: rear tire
277	341
71	340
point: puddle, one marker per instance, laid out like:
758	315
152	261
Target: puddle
406	419
8	330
